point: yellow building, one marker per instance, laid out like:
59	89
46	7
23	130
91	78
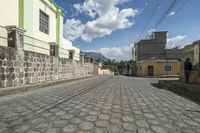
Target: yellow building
158	68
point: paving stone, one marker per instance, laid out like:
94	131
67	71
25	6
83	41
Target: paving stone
67	116
114	129
144	130
127	119
60	123
191	122
76	120
141	123
149	116
118	104
104	117
34	132
99	130
69	128
115	121
91	118
51	130
158	129
129	126
22	129
86	125
101	123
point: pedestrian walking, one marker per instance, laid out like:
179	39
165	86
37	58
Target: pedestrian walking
187	69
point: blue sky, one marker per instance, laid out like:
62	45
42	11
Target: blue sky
112	26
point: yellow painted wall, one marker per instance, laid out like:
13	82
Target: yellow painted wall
159	68
96	69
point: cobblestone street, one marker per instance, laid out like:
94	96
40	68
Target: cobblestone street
99	105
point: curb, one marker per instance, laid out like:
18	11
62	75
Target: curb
174	85
28	87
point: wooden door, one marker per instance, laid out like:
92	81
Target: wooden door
150	71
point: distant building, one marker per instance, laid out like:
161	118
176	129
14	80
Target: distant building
151	58
100	69
151	48
174	54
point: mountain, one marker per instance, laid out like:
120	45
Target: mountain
96	56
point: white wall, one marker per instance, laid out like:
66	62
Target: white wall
68	45
9	10
51	37
64	47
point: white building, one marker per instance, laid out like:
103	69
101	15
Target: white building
43	22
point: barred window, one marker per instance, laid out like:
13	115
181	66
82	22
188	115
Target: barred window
167	68
44	22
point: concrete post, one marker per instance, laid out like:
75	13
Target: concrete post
16	41
82	55
16	38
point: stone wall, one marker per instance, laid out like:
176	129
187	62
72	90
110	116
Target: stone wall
192	52
174	54
20	68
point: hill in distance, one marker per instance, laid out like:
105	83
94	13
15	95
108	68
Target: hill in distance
96	56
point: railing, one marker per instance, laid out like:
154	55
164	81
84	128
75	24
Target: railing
63	53
36	45
3	36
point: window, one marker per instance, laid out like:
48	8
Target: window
44	22
53	50
167	68
71	55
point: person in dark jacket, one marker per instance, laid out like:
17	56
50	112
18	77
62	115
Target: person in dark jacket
187	69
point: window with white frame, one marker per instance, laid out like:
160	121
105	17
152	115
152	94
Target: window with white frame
44	22
167	68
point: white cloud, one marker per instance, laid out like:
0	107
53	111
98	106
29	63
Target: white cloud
172	13
106	18
73	29
146	4
174	42
118	53
106	24
150	31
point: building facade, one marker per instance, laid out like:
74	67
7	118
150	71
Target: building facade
151	48
158	68
100	69
151	58
43	22
193	52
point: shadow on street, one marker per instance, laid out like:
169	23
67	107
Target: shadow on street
183	93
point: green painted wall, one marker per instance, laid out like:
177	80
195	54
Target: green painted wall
21	13
28	17
28	24
57	26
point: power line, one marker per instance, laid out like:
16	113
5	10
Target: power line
165	14
149	19
178	10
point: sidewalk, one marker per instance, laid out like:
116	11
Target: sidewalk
180	85
17	89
